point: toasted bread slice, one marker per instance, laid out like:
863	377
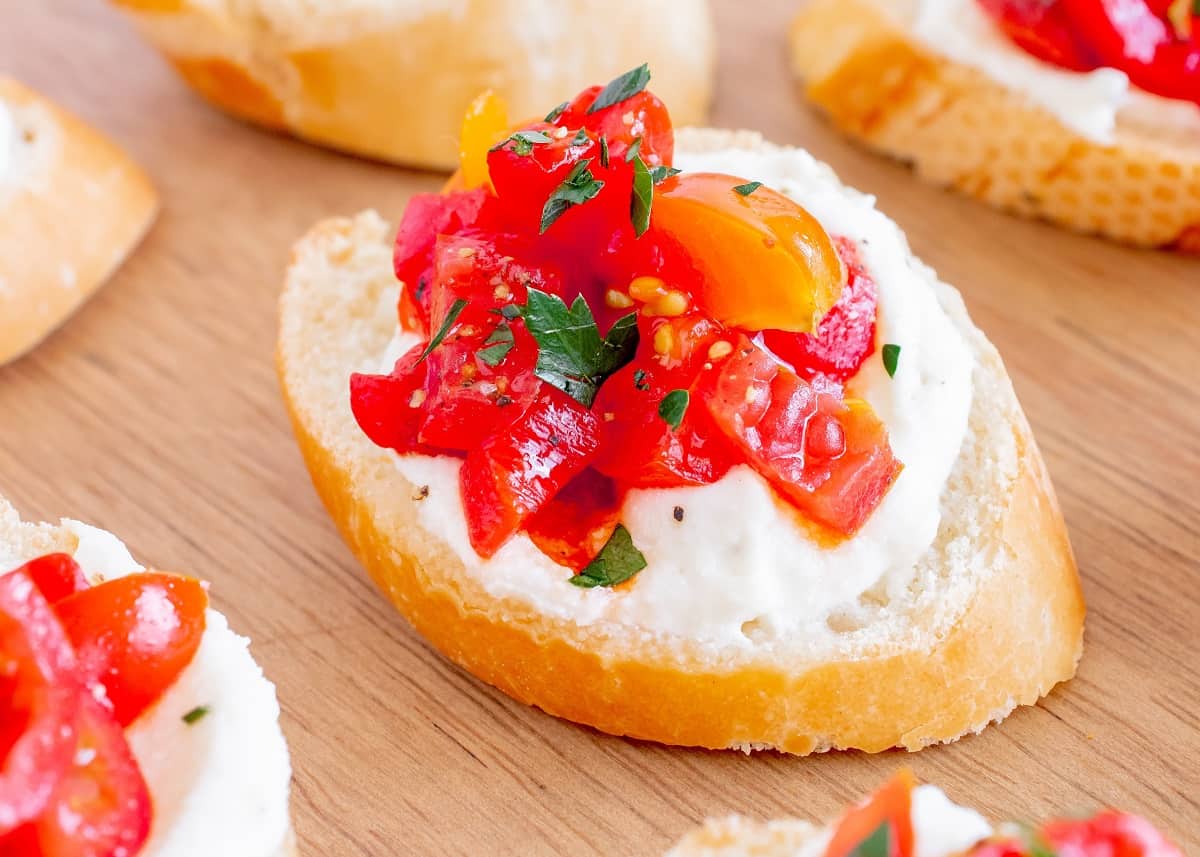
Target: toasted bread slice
995	620
959	128
73	207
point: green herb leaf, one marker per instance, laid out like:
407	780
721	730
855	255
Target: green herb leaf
643	197
604	145
577	188
455	311
523	141
581	137
571	354
195	715
1035	843
556	112
617	561
878	844
747	188
498	345
626	86
673	406
891	359
639	380
508	311
635	148
660	173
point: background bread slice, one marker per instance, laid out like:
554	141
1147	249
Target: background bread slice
20	539
961	129
994	619
73	206
391	79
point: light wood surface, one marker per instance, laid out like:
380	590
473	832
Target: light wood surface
155	414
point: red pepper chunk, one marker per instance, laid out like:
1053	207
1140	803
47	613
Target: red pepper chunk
516	472
829	458
891	805
57	575
1109	834
388	407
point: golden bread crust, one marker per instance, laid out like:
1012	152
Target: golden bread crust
73	206
393	82
960	129
1016	636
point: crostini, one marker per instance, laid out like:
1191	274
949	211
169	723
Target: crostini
1082	112
903	819
73	207
629	433
390	79
136	724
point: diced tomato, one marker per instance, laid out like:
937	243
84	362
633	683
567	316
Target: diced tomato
517	471
575	525
42	690
638	448
1042	29
101	806
846	335
427	216
134	635
643	115
57	575
1109	834
388	407
829	458
891	805
797	274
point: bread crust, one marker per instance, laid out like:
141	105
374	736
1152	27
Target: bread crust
1016	637
959	128
391	80
73	206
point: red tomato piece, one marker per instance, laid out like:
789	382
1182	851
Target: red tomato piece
575	525
134	635
644	115
427	216
101	807
1042	29
830	459
57	575
1109	834
388	407
638	448
892	805
517	471
846	335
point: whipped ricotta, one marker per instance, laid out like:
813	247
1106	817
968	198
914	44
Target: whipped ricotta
739	569
220	785
8	142
1094	104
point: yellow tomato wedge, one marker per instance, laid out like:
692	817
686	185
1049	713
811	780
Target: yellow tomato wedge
765	262
483	126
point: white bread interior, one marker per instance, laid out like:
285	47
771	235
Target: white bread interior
993	618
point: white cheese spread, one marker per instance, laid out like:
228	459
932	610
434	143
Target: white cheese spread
1094	104
739	569
8	142
219	785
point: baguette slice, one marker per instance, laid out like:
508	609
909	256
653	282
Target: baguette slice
997	623
245	814
390	79
961	129
73	207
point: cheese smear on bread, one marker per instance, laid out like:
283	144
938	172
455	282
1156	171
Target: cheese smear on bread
1094	104
740	569
8	141
219	786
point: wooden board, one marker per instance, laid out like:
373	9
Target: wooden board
155	413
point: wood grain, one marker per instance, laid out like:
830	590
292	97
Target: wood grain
155	413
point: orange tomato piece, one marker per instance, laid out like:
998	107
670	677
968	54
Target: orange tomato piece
891	804
484	125
764	262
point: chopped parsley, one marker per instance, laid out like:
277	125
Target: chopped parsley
524	141
634	149
661	173
451	317
643	197
747	188
556	112
617	561
639	380
878	844
891	359
673	406
497	345
195	715
604	148
577	188
581	137
622	88
572	356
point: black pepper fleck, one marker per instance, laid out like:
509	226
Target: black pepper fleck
421	493
503	401
679	513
